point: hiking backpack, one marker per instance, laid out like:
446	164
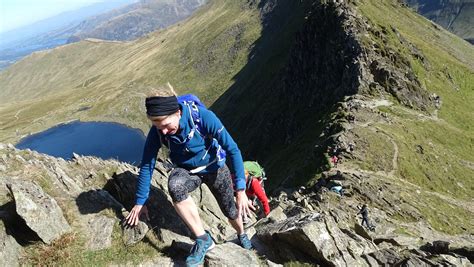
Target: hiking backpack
192	102
255	170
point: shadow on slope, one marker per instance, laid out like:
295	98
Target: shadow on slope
280	104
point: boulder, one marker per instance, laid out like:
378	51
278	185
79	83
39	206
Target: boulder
167	238
440	246
226	254
316	236
100	228
230	254
360	230
453	260
386	257
132	235
39	210
9	248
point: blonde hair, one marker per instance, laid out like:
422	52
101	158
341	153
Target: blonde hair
162	90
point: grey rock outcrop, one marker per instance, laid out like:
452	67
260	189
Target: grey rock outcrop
230	254
9	248
133	235
40	211
318	238
226	254
101	232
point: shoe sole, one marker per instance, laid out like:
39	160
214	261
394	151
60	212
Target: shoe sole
212	246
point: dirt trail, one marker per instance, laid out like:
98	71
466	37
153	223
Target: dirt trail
392	174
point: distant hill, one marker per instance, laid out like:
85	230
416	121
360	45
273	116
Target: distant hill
48	33
457	16
11	38
135	20
127	22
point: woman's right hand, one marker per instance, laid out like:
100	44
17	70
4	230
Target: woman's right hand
134	215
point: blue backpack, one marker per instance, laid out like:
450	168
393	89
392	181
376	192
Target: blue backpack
192	102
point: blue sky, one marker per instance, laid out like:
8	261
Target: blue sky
17	13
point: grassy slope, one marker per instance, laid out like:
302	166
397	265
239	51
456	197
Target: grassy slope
106	81
446	164
206	53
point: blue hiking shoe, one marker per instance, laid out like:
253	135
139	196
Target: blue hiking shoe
245	241
199	250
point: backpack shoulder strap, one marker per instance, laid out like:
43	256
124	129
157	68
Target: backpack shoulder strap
248	185
195	117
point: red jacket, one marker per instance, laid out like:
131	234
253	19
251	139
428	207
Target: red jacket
255	189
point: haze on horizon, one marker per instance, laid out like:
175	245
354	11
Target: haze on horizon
18	13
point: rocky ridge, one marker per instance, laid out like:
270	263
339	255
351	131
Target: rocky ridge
87	196
311	224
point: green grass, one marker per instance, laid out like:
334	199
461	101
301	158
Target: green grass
403	231
445	217
447	141
201	54
69	250
376	151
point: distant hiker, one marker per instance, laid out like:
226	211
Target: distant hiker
334	160
365	217
336	185
255	177
198	144
351	146
338	189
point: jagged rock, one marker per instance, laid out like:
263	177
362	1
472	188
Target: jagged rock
318	237
101	228
360	230
230	254
453	260
414	262
276	214
226	254
158	261
370	261
39	210
160	207
440	246
9	248
4	192
386	257
167	238
437	247
132	235
71	186
94	201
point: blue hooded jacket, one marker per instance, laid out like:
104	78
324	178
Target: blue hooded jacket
192	154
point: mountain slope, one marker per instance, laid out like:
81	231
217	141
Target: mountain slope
400	87
48	33
56	22
291	79
455	16
135	20
126	22
53	85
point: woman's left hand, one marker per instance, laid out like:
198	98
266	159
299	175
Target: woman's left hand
242	204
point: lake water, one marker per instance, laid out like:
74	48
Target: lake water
101	139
